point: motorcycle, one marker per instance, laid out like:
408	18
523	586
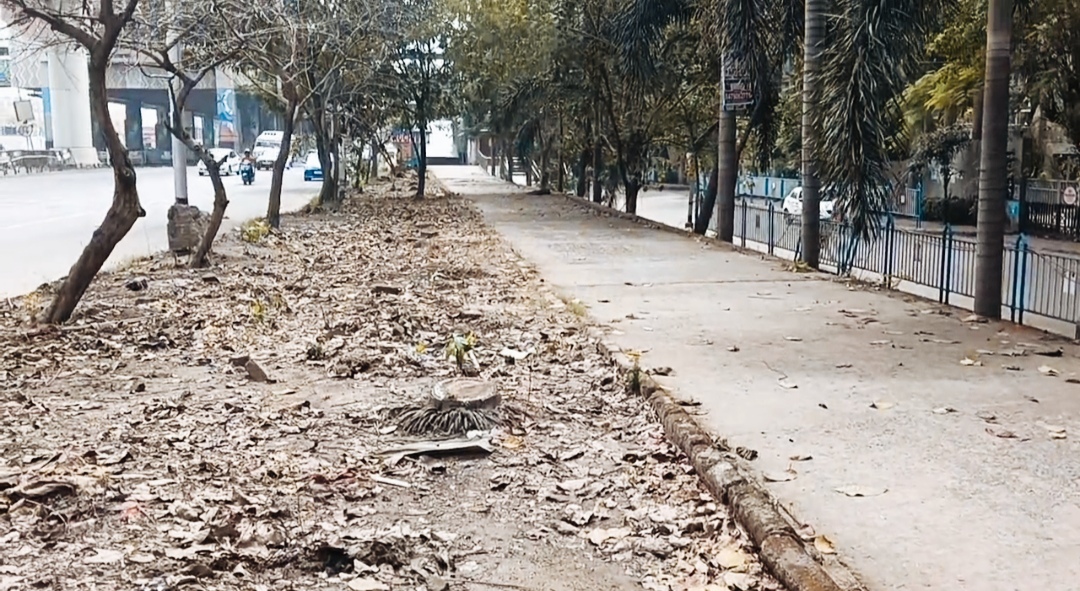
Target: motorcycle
247	172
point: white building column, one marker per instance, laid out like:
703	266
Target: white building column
69	102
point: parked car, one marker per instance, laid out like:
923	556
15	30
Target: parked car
792	204
230	166
313	170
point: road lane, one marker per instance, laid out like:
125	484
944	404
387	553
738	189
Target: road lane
47	219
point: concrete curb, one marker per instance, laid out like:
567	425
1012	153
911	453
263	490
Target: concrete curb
784	553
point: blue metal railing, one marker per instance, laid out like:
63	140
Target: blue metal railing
908	203
1045	284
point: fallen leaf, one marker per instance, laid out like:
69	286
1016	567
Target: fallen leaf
975	318
786	385
843	365
1056	431
793	339
879	343
856	490
104	557
367	584
732	557
572	485
971	362
824	545
1046	370
1001	433
944	410
882	405
784	476
801	458
599	535
733	349
38	489
987	416
740	581
1012	368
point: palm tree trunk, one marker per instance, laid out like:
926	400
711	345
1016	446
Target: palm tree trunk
993	175
814	17
727	175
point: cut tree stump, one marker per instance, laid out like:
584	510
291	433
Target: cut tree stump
465	393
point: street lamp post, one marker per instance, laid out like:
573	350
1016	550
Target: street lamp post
179	150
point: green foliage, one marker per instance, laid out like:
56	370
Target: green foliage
459	350
939	148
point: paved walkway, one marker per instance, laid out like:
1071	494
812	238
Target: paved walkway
980	491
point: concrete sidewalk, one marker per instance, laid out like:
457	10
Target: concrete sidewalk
981	491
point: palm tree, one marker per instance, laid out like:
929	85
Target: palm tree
860	57
814	37
993	180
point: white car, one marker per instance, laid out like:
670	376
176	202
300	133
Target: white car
792	204
229	167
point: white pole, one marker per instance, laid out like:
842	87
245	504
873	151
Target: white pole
179	150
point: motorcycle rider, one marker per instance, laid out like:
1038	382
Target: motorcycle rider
248	158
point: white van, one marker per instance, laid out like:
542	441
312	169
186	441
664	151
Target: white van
267	147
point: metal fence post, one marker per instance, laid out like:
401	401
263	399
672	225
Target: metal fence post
744	223
1015	286
767	186
944	260
1023	277
948	262
890	236
919	205
772	228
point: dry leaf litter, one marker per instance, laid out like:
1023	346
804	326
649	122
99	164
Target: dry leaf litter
229	428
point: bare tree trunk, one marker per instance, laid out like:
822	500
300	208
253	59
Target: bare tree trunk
373	166
993	173
328	192
632	190
273	211
597	167
814	18
122	215
727	175
199	259
583	169
708	204
421	169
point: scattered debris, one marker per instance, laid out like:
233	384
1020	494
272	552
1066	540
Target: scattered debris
861	491
785	476
824	545
141	452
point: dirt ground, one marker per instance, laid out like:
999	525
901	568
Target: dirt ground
140	451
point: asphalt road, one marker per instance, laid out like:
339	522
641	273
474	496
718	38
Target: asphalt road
46	219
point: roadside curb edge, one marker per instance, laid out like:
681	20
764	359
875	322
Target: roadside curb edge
781	549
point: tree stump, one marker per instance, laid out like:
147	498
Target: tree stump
465	393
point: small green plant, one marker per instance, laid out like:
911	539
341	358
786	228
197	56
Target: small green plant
32	304
633	377
576	307
130	262
259	311
253	231
460	349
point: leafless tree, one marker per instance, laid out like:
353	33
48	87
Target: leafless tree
95	27
212	34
